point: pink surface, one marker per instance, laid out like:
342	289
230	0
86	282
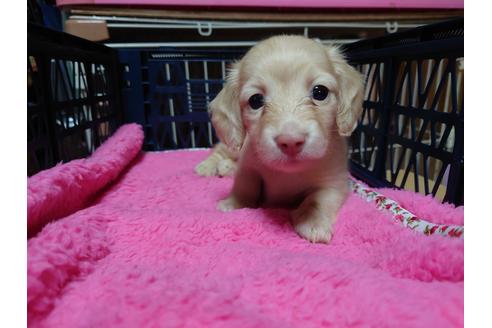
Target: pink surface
422	4
152	251
64	189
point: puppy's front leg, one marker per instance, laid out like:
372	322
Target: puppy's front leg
245	192
220	162
314	218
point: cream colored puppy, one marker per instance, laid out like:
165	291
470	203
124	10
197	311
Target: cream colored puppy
284	113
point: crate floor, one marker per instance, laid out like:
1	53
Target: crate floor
150	250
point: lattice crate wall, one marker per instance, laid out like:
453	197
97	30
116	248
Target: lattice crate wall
40	154
176	90
421	85
70	89
71	100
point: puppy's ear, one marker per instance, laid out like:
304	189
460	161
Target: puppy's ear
350	93
225	111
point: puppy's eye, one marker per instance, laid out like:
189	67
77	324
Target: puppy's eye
320	92
256	101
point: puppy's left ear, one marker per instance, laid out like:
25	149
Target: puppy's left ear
350	92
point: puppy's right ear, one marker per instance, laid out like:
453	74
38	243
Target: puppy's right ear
225	112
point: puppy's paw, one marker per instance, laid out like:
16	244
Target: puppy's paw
226	167
207	168
314	228
229	204
315	233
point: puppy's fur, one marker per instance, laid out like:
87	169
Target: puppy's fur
292	151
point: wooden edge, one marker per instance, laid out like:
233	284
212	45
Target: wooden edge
92	30
272	15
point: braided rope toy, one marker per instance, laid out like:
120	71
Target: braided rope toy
402	216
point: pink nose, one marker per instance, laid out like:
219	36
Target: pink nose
289	144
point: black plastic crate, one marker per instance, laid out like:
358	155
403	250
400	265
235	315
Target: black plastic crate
411	130
73	97
410	134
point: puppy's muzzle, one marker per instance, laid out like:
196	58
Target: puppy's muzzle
291	140
289	144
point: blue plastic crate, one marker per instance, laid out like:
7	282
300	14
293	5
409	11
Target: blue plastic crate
168	92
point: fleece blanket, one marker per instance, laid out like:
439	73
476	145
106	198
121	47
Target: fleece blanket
131	239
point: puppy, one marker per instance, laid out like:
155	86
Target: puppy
283	114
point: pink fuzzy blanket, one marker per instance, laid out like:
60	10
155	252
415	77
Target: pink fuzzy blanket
133	239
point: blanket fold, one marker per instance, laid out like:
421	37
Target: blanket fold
66	188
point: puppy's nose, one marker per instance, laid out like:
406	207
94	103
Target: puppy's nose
290	144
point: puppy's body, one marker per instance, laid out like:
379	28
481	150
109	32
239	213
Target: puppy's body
288	189
285	110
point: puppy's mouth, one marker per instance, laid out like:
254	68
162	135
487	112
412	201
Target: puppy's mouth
291	163
293	159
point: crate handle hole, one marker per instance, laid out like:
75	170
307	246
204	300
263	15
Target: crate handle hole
202	32
392	27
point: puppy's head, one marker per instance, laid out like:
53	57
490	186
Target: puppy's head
291	96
